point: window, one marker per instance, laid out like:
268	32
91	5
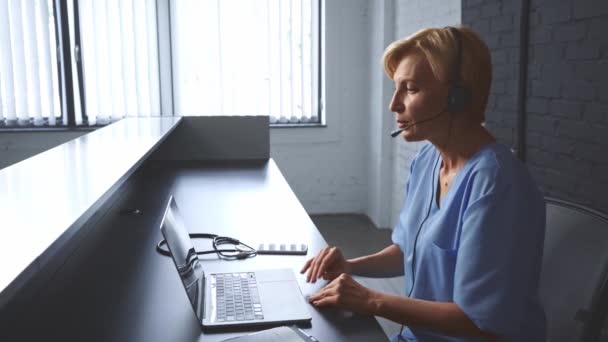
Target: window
246	57
29	88
120	66
222	57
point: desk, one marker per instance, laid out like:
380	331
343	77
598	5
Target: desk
44	200
115	287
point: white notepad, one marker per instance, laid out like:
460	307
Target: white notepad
278	334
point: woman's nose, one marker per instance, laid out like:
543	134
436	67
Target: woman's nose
396	105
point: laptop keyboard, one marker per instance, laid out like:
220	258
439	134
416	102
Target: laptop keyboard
237	297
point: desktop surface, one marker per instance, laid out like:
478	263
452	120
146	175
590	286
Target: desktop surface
45	198
116	287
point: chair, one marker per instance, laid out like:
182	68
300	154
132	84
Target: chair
574	278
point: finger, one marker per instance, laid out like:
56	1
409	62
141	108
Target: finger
315	297
312	273
325	262
327	290
309	268
306	265
319	295
322	255
331	286
326	301
330	275
313	264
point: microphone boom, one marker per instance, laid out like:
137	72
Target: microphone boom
398	131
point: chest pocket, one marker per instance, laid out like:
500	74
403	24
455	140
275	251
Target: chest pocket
438	262
437	276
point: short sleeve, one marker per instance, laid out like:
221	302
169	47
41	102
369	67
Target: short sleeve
492	276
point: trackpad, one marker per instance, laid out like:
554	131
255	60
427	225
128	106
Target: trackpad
275	275
282	300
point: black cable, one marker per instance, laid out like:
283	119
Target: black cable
428	212
241	250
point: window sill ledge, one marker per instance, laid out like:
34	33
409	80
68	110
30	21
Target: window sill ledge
298	125
33	129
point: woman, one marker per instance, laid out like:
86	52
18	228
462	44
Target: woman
470	235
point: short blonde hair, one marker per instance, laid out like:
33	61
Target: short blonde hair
438	45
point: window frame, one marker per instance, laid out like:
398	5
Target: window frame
65	73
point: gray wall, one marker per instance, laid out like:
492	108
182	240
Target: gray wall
567	97
17	146
381	120
327	167
498	23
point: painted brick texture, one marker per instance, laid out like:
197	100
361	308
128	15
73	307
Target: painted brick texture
567	97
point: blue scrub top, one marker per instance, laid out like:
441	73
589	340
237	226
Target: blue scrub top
481	248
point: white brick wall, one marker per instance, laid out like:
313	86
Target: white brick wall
567	101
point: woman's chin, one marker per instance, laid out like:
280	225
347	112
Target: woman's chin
409	137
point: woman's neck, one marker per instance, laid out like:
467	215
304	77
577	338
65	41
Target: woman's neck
462	142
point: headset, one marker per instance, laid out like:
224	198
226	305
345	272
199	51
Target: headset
428	212
239	251
459	97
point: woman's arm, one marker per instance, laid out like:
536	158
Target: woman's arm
444	317
386	263
346	293
330	263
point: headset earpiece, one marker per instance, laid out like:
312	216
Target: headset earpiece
459	96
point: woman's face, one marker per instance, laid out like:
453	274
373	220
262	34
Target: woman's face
418	96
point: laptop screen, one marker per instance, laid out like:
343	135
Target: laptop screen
184	256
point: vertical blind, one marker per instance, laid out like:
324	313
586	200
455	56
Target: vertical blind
228	57
119	58
29	90
244	57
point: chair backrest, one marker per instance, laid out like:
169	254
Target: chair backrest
573	285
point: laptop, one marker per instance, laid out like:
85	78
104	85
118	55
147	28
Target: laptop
247	298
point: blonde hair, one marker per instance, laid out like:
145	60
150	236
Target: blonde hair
438	45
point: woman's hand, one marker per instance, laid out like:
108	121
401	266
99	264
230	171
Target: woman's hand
329	264
347	294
